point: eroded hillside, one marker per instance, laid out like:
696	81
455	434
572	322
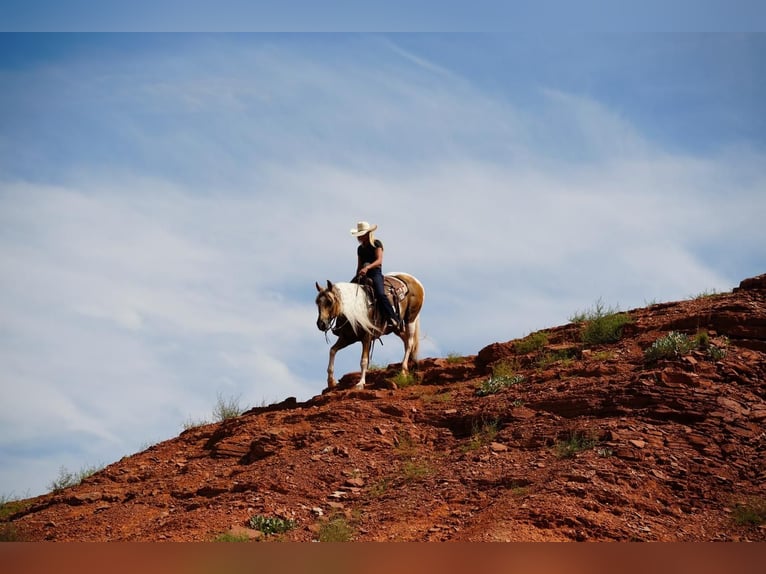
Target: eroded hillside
541	439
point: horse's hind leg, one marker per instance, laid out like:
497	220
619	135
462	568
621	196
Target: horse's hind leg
408	338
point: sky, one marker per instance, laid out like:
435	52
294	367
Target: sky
167	202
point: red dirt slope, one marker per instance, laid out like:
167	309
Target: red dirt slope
665	450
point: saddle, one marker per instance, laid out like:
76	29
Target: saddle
396	290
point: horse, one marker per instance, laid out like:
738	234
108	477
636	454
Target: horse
349	311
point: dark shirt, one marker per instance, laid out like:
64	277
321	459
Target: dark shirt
366	253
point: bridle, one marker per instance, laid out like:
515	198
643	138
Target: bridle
333	324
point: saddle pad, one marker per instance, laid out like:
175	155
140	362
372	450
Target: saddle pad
395	286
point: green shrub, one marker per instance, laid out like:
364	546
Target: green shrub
672	345
532	342
229	537
67	479
716	353
413	471
564	356
336	529
226	408
504	368
403	381
454	358
482	433
8	507
495	384
577	442
271	524
601	324
750	512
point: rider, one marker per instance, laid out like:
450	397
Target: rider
370	264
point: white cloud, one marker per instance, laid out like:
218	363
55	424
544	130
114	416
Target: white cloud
133	292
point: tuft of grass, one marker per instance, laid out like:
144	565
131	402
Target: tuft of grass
705	294
403	381
413	470
336	529
67	479
751	511
8	507
577	442
454	358
716	353
564	356
189	424
601	324
380	488
483	433
229	537
226	408
439	397
495	384
532	342
271	524
8	533
603	356
505	368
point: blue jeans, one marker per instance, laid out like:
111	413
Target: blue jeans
380	294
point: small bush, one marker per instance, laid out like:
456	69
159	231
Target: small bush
271	524
495	384
672	345
454	358
68	479
705	294
9	507
403	381
603	356
531	343
8	533
505	368
191	423
483	433
229	537
750	512
564	356
226	408
577	442
602	324
337	529
413	471
716	353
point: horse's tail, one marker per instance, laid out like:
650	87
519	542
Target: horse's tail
415	342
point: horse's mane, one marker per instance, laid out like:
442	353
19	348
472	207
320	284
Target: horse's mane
354	306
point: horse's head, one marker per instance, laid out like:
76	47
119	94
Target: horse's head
328	306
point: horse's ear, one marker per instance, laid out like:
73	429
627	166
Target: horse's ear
318	287
329	285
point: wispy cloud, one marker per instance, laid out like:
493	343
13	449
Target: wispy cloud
187	199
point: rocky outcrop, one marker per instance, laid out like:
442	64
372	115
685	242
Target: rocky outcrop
585	443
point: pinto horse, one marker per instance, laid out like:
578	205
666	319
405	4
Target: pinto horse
348	310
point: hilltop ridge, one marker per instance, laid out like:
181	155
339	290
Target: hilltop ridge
656	436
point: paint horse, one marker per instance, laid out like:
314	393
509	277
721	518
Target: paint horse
349	311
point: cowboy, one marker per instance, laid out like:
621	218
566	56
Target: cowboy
370	264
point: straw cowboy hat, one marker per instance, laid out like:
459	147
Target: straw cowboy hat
362	227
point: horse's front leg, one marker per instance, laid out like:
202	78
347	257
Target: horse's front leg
339	344
365	361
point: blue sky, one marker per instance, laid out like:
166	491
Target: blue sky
168	201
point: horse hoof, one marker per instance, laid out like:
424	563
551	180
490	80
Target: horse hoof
359	386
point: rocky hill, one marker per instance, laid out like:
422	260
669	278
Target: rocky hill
656	434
